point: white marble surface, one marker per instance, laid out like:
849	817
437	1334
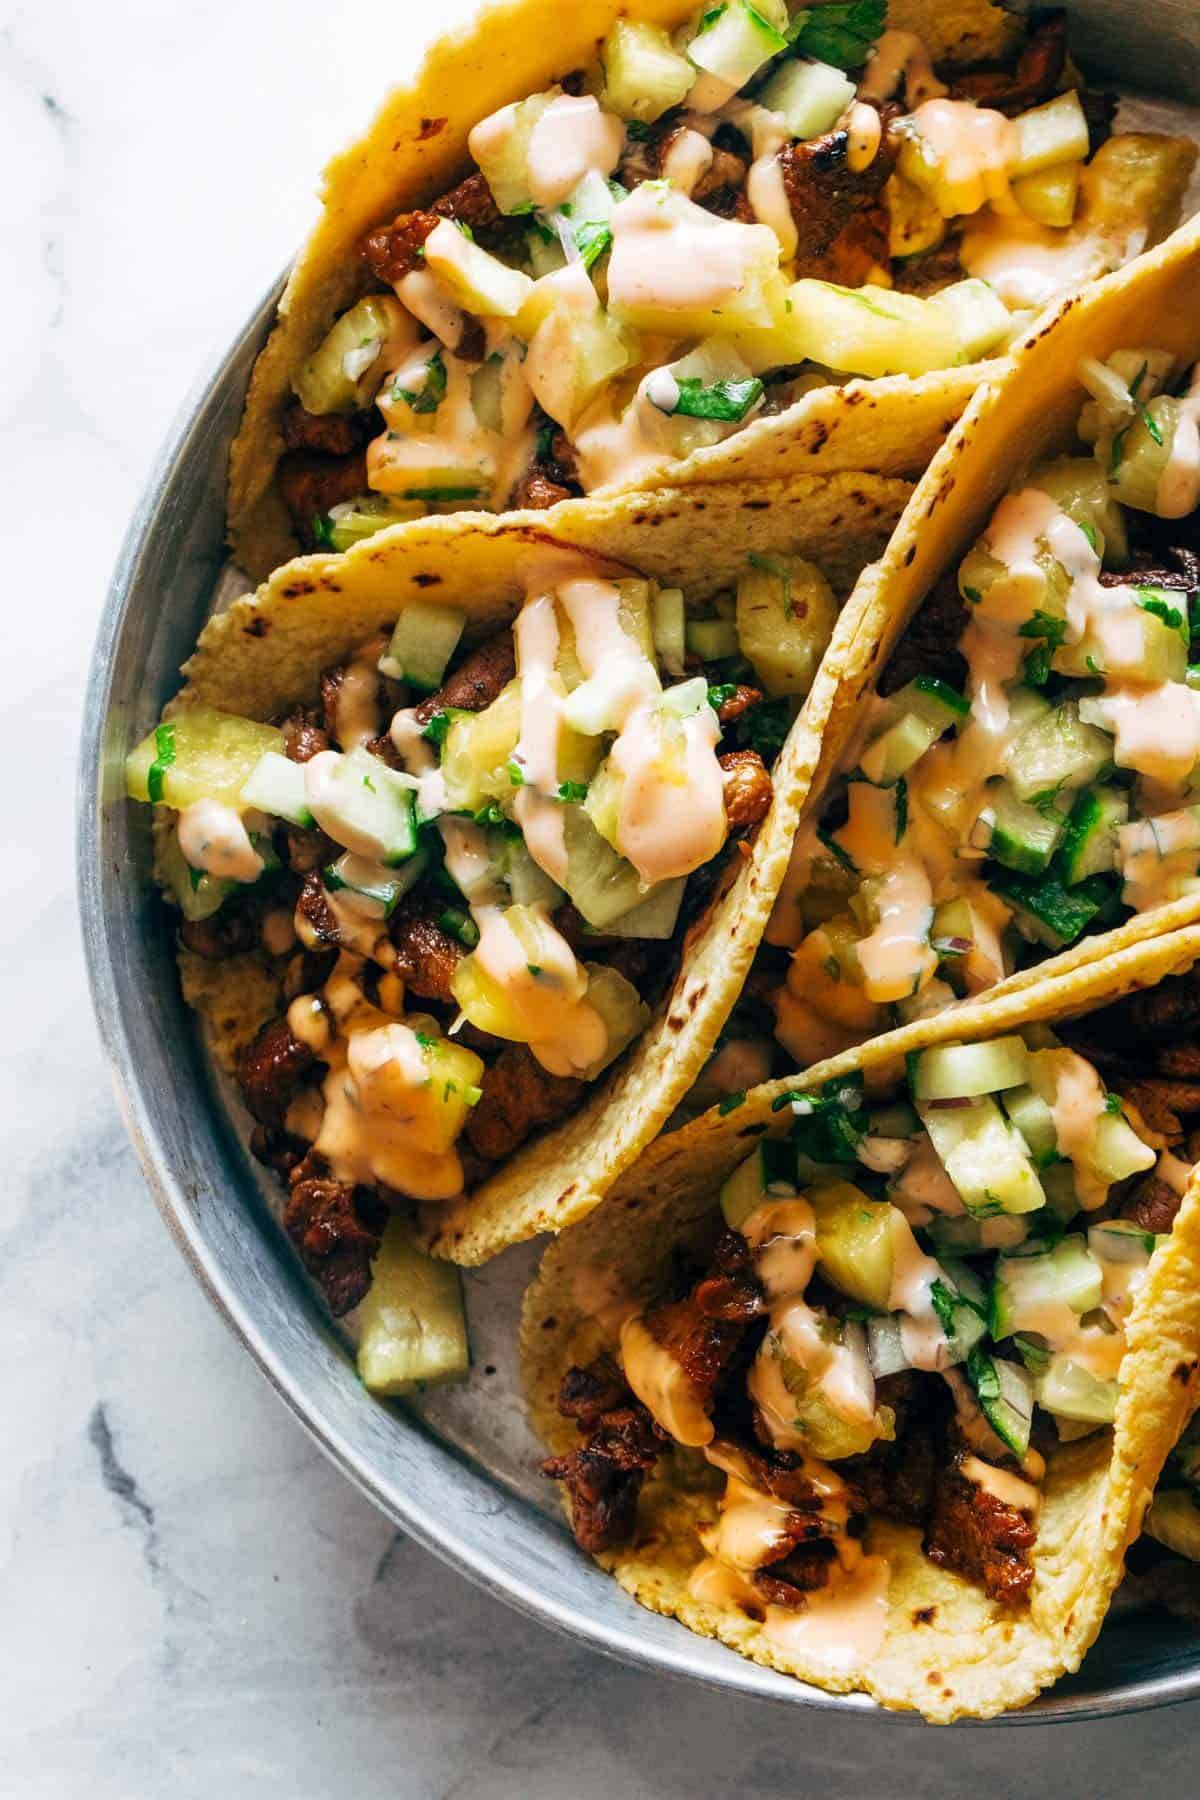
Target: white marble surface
192	1603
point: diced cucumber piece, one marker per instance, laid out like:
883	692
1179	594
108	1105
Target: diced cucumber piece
198	893
1025	1284
1034	1120
414	1332
984	1156
895	751
1089	840
1121	1241
770	1174
711	639
1005	1392
384	888
1054	133
1058	1179
1051	195
957	1071
367	805
275	785
354	520
624	1012
1152	649
668	622
342	374
527	882
1045	911
1070	1391
425	638
855	1241
501	150
1057	751
685	698
1118	1151
935	700
885	1346
198	754
653	918
811	96
644	75
828	1431
602	885
1015	833
733	43
968	1236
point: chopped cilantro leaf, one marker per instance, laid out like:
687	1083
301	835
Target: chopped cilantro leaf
437	727
592	239
516	773
535	969
974	595
1151	601
840	33
766	727
1112	1104
572	793
717	696
944	1301
726	401
428	398
637	129
423	1038
1044	625
322	530
731	1102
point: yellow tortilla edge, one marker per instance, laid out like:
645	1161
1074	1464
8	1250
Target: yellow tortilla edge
948	1652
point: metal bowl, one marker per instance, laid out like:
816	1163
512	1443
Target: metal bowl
459	1473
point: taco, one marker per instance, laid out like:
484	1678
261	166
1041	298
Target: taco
443	826
618	245
1011	769
872	1377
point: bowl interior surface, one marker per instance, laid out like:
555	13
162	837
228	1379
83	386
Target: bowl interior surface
458	1471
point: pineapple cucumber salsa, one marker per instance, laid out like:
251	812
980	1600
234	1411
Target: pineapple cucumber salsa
693	232
523	865
962	1229
1061	790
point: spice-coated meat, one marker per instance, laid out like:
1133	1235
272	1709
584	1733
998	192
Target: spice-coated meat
337	434
230	932
929	644
309	849
1036	76
303	735
702	1343
1152	1205
824	194
737	704
748	788
1160	1103
536	492
393	251
271	1071
471	204
733	1292
277	1148
426	956
337	1230
316	915
896	1478
310	483
976	1534
803	1570
518	1097
476	682
604	1476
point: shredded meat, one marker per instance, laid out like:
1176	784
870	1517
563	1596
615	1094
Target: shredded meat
704	1330
977	1535
393	251
230	932
337	434
748	788
477	680
739	703
471	204
733	1295
929	645
1152	1205
604	1476
303	735
310	483
518	1097
337	1229
271	1071
426	956
1038	72
826	198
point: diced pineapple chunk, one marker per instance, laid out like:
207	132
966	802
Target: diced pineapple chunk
869	330
476	279
1054	133
198	754
786	612
576	349
477	750
500	146
644	75
914	222
1050	195
343	371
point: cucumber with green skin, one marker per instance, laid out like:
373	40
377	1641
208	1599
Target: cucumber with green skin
413	1331
770	1174
1047	912
425	638
1026	1280
969	1071
1022	837
1089	839
1005	1392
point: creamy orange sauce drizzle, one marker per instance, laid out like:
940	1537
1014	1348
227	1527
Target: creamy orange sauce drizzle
1004	1486
678	256
661	1385
214	837
900	56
